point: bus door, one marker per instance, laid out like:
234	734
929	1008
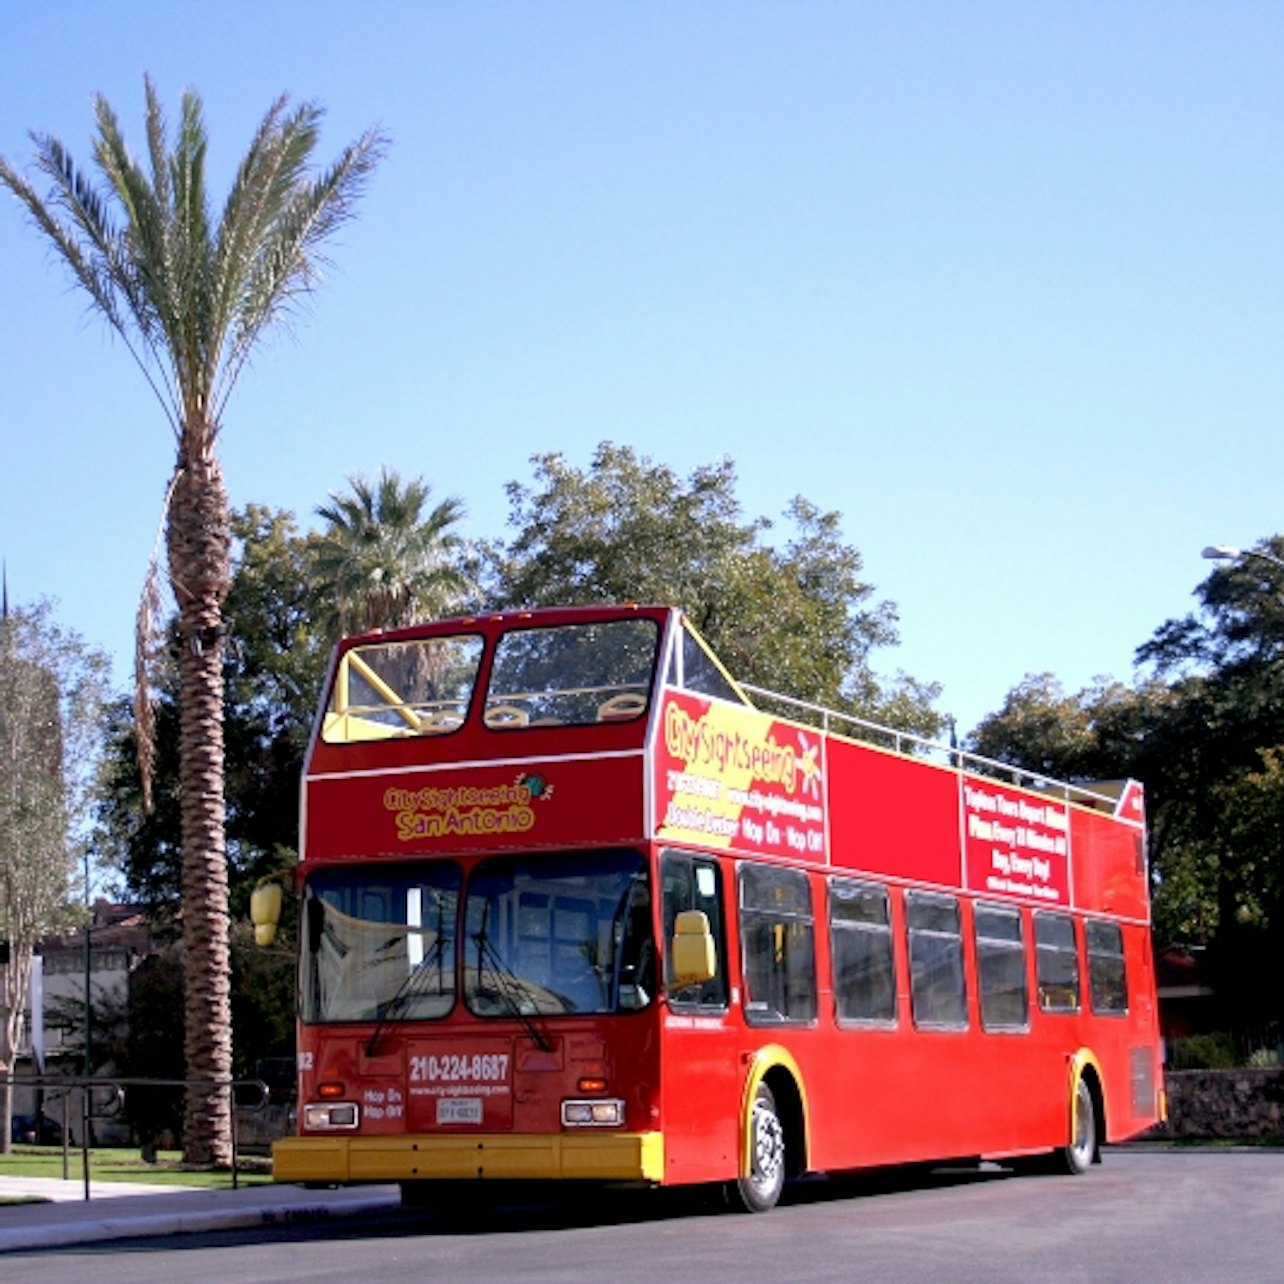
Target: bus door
701	1079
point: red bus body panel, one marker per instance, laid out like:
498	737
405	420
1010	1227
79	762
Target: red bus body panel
712	777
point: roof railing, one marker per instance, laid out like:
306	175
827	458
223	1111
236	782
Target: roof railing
910	743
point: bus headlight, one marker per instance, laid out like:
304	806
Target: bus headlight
328	1115
600	1113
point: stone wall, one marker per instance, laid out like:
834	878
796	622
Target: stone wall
1226	1104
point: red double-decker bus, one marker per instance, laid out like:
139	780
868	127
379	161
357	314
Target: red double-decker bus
575	905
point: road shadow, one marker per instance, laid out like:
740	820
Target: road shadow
490	1208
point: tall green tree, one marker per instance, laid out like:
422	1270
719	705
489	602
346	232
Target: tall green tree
190	294
1093	734
273	668
1203	728
1215	757
794	616
384	558
52	690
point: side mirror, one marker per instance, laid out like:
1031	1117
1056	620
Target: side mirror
695	958
265	911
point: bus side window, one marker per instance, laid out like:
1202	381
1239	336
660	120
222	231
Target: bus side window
938	986
1107	982
860	933
1056	962
691	883
1001	967
777	943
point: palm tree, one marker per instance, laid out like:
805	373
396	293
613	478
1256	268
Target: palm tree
190	297
381	561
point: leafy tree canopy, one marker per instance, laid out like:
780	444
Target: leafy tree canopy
1204	730
793	616
52	689
385	559
52	694
1094	734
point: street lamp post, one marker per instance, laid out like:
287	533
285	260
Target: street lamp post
1225	553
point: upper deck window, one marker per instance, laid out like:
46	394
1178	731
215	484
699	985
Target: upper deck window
386	689
572	674
693	667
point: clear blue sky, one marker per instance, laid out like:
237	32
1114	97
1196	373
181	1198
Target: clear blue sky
1001	283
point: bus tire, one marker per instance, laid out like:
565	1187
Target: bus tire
1081	1152
759	1189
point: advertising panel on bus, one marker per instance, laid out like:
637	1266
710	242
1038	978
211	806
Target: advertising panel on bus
536	803
1015	843
731	776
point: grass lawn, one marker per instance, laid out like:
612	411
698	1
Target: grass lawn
128	1165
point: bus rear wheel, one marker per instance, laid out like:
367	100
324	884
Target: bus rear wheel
1080	1154
759	1189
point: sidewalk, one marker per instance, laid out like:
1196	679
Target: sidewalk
126	1210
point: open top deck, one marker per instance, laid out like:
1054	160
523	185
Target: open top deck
592	726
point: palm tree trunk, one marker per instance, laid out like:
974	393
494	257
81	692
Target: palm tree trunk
198	547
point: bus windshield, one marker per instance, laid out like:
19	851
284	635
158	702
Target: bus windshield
416	688
546	935
562	675
572	674
553	934
379	942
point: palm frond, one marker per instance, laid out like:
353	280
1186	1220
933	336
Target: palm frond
288	263
157	144
63	237
383	562
271	170
139	256
93	249
149	647
236	240
191	253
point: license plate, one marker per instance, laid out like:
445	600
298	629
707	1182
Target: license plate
459	1110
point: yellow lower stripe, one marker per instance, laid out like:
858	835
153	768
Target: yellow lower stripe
565	1156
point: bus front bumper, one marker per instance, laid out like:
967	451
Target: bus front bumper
589	1156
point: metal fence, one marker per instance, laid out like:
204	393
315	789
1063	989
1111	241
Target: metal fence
101	1099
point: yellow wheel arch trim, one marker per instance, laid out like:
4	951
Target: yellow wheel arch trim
1079	1062
763	1061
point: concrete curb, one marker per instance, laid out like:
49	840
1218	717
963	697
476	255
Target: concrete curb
122	1224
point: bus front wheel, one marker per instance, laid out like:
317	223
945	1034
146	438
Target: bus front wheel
759	1189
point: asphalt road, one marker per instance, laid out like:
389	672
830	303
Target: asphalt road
1171	1216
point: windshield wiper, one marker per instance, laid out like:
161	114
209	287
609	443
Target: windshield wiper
508	985
407	990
